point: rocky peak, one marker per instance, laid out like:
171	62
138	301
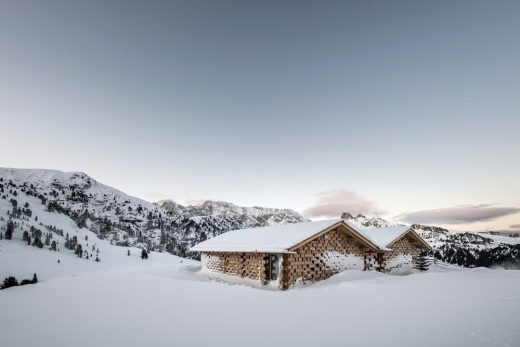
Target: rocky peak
430	228
365	221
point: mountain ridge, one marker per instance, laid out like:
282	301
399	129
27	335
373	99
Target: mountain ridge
465	249
126	220
167	226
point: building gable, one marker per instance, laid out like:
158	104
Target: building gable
343	227
325	255
410	233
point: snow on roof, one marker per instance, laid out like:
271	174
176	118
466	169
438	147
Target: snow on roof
280	238
381	237
274	239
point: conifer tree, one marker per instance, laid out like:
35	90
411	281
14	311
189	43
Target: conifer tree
9	230
9	282
67	241
423	262
48	239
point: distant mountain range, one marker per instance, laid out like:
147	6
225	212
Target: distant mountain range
30	197
123	219
464	249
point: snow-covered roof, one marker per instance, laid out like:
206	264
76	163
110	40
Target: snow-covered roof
274	239
382	237
280	238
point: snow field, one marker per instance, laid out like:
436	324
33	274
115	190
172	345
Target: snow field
163	302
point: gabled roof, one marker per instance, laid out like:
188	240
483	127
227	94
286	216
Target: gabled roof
285	238
416	236
382	237
271	239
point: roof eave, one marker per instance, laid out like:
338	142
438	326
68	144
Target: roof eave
273	251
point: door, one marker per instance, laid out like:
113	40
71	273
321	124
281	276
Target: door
272	266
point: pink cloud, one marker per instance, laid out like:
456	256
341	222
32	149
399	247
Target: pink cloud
331	204
457	215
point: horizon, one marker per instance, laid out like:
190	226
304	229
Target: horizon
201	202
405	111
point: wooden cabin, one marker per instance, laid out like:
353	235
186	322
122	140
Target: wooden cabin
309	252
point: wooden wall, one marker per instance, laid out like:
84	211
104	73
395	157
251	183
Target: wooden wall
307	264
404	246
248	265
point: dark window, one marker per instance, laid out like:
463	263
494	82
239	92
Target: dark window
272	267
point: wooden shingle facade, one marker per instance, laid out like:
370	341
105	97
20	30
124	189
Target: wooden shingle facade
306	253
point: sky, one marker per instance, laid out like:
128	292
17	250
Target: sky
408	110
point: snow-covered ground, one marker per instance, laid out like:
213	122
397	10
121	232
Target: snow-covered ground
165	301
503	239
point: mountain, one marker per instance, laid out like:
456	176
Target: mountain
464	249
366	222
246	216
28	194
49	205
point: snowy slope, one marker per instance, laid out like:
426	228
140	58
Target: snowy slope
21	260
64	202
119	218
166	300
173	304
126	301
504	239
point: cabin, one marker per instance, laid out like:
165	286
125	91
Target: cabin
302	253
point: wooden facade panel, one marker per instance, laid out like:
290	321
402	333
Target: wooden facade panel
405	246
247	265
314	261
308	263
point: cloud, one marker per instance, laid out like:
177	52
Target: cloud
331	204
515	226
457	215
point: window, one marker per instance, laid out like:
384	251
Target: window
272	265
